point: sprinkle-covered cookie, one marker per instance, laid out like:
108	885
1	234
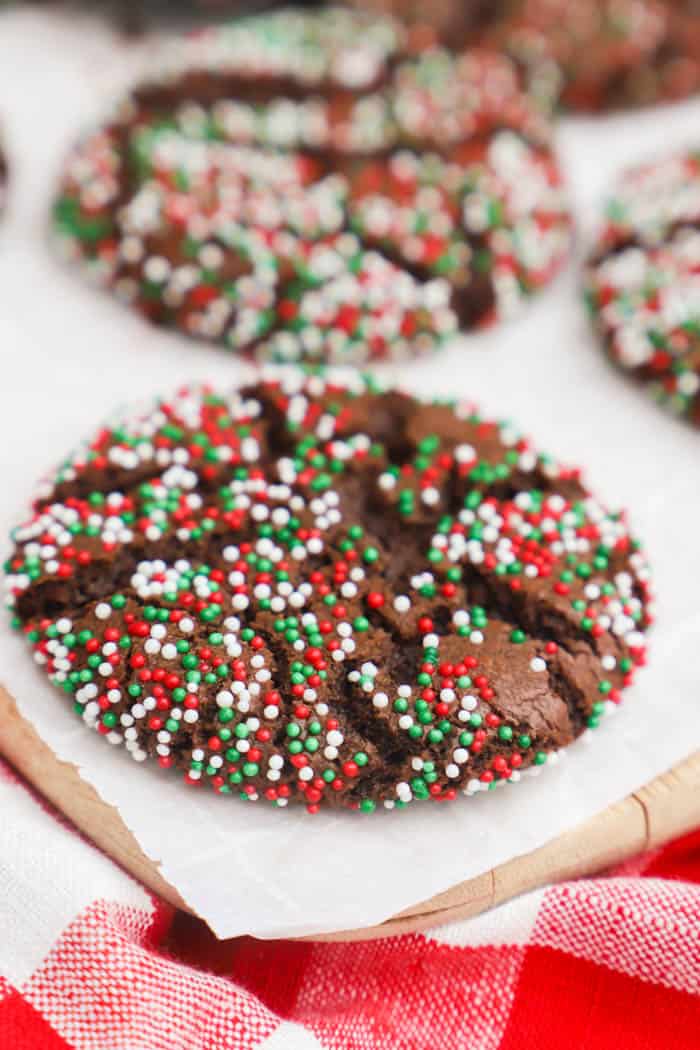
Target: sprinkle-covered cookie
336	595
643	280
455	23
603	54
589	54
298	187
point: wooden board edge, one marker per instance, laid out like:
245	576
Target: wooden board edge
61	784
664	808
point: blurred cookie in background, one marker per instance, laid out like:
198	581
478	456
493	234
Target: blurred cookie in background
453	23
589	56
677	73
300	187
611	54
3	178
643	280
135	16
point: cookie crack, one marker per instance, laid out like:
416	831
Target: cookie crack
539	621
574	698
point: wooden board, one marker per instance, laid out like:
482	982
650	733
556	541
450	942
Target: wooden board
664	808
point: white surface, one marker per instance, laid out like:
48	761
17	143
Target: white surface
31	840
70	355
509	924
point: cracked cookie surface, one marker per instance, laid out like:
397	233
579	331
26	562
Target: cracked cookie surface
333	594
301	186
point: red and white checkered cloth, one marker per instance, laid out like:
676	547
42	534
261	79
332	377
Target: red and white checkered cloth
90	960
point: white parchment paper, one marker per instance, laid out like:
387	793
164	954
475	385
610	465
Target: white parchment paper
70	355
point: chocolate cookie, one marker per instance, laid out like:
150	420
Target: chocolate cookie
297	187
609	53
303	591
590	55
643	280
454	23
